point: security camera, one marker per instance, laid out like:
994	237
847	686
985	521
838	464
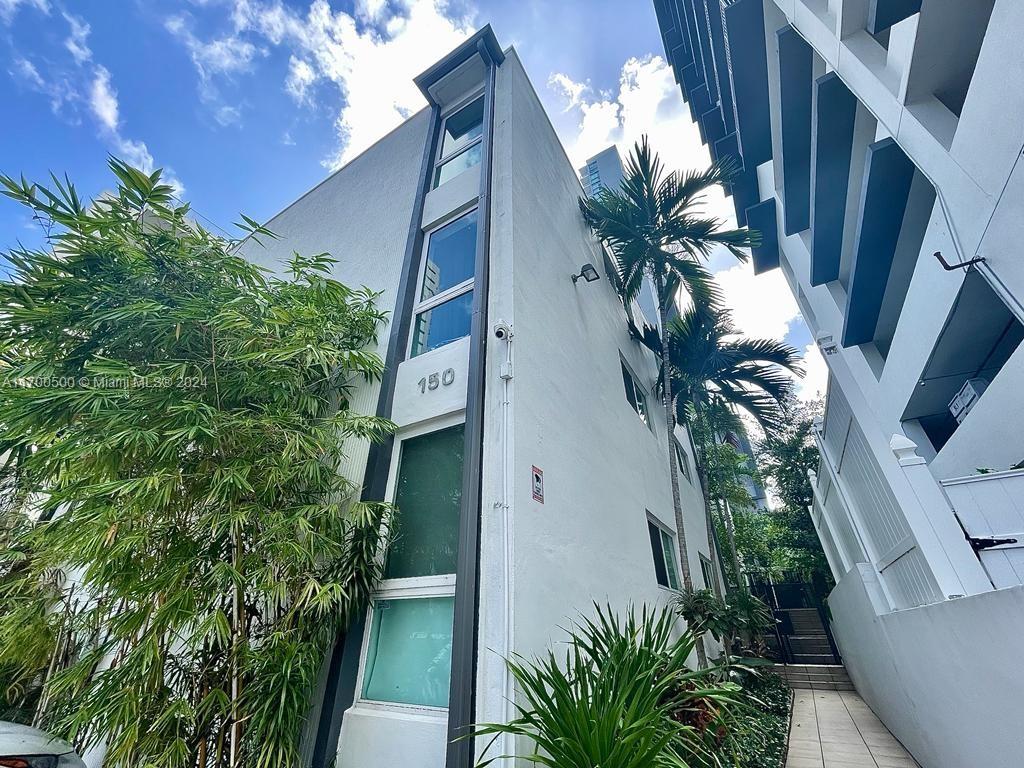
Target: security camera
502	331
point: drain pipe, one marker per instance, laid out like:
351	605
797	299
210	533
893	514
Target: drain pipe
503	332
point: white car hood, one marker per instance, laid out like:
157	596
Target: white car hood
18	739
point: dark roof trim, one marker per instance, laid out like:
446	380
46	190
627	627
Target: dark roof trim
483	40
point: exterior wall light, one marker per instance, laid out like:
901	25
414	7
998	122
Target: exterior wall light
588	273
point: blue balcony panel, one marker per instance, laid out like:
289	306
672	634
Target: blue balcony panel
692	79
762	218
744	21
670	32
835	110
887	177
718	48
700	102
693	34
728	145
795	80
679	58
882	14
744	193
712	129
702	35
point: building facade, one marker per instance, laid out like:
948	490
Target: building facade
530	464
603	170
880	143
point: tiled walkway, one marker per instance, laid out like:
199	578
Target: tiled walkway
836	729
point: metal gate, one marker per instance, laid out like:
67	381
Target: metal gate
802	634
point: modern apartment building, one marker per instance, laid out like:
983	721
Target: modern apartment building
602	170
530	465
880	143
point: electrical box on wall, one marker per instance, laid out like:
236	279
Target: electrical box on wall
965	399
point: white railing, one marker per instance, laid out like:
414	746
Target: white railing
864	520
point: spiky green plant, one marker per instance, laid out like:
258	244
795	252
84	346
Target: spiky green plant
181	549
621	697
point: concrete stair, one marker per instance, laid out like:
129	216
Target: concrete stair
815	677
808	643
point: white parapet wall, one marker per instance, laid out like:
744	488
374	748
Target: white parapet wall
947	678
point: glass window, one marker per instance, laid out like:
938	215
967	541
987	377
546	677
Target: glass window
461	162
663	550
461	127
684	462
669	548
451	256
442	324
658	551
409	656
634	394
706	571
428	497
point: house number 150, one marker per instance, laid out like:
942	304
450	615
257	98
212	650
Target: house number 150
434	380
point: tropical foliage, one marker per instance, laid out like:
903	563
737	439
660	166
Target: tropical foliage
621	697
179	548
714	367
757	736
740	617
716	373
655	229
786	456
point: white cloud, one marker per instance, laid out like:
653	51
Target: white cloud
815	379
8	8
569	90
25	74
227	115
301	77
103	100
762	305
372	68
77	42
370	10
648	101
220	56
106	109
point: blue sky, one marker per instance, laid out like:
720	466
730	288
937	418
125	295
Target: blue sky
248	103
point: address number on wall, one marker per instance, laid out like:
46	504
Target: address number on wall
433	381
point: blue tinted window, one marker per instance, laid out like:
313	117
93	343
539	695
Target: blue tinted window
451	255
443	324
409	656
461	162
462	127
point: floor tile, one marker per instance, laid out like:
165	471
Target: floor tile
836	729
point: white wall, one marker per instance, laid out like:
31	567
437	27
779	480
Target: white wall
946	678
603	468
360	216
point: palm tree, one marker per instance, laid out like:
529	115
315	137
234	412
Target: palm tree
654	228
715	371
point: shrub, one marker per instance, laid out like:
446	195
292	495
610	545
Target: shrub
622	697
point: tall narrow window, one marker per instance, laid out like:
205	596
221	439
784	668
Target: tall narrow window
684	461
663	548
461	137
707	571
635	395
409	643
445	300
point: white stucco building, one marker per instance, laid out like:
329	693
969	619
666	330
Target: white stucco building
880	143
530	464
